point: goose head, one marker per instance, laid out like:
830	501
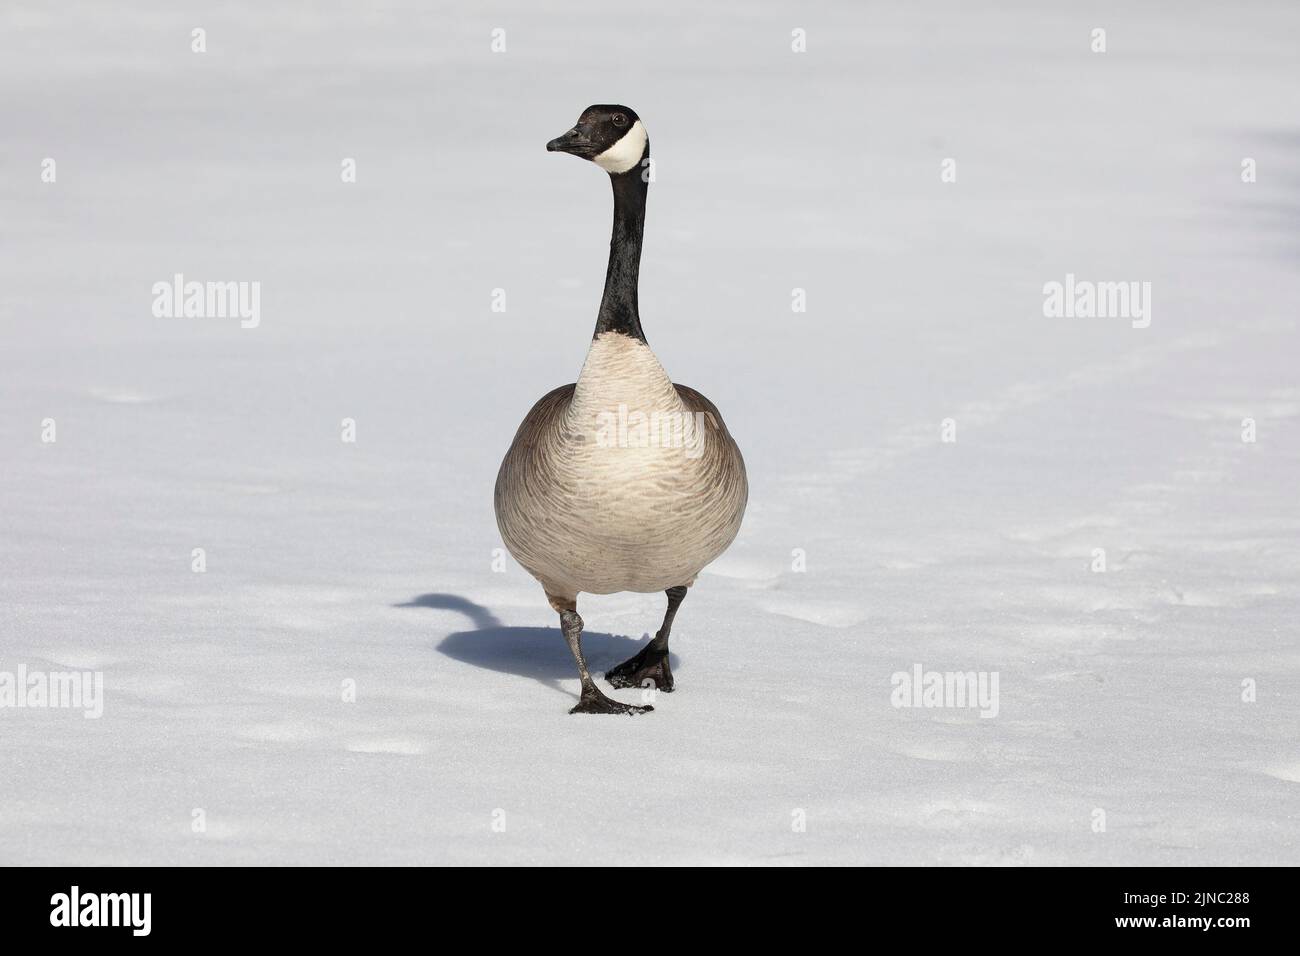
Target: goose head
612	137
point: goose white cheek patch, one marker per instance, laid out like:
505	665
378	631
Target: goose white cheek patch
626	153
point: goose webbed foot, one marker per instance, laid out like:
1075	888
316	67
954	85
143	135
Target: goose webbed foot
593	701
650	664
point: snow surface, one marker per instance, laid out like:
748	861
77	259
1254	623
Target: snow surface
372	562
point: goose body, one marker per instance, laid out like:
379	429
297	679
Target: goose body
622	481
592	501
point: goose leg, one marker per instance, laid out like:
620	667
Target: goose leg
592	701
651	662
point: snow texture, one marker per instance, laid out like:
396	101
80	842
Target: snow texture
327	561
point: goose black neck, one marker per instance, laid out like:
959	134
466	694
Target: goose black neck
618	307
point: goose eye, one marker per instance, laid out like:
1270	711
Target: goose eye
619	119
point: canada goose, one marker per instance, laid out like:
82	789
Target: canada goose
622	481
